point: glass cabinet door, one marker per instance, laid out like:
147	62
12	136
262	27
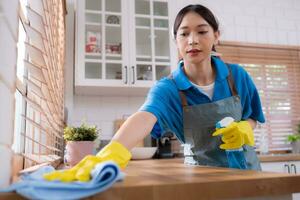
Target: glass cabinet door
113	40
151	40
103	40
93	40
122	42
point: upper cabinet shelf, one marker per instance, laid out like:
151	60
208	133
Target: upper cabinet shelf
122	47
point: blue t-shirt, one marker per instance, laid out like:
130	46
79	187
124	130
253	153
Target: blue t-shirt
164	102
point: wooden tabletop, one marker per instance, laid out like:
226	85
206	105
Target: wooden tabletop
163	179
279	157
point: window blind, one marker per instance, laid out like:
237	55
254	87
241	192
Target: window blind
42	85
275	71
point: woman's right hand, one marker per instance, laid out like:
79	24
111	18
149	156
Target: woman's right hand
114	151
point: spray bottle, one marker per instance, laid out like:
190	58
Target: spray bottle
235	157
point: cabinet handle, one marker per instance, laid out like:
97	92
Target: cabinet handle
288	168
295	169
133	78
126	75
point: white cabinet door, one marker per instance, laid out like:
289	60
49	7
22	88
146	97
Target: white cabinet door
292	167
121	44
100	55
275	167
151	41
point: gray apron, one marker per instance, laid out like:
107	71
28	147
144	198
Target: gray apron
201	148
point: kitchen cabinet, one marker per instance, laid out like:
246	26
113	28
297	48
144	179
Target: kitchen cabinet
291	167
122	47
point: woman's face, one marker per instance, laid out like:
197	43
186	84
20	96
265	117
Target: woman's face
195	38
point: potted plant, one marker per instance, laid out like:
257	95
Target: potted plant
80	142
295	141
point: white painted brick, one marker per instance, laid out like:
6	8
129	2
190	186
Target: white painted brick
111	106
254	10
226	20
232	9
94	114
93	108
93	102
274	12
75	123
286	24
78	114
292	14
262	36
264	3
229	33
124	112
248	21
82	101
272	36
10	11
136	102
297	22
292	38
241	34
298	37
296	4
6	166
8	52
6	115
107	113
266	22
251	35
282	4
281	37
94	123
107	129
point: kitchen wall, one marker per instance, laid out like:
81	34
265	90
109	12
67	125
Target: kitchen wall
8	59
266	21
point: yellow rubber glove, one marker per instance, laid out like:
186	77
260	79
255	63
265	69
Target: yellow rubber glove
236	135
114	151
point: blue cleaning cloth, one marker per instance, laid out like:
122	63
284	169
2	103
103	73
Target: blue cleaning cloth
33	186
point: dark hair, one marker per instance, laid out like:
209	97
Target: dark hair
200	10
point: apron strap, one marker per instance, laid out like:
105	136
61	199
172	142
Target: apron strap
183	98
230	81
181	94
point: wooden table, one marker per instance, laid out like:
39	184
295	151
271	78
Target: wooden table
165	179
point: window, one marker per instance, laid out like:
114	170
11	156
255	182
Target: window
39	110
275	71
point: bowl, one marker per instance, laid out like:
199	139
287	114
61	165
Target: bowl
139	153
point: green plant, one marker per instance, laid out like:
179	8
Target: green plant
81	133
294	137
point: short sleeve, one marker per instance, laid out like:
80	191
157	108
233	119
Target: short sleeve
163	102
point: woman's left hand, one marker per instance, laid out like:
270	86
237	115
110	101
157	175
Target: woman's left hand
236	135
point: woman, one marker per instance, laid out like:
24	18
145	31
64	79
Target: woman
200	92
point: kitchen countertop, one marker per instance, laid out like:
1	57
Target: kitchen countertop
279	157
276	157
171	179
163	179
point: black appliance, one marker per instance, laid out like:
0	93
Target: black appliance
164	145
